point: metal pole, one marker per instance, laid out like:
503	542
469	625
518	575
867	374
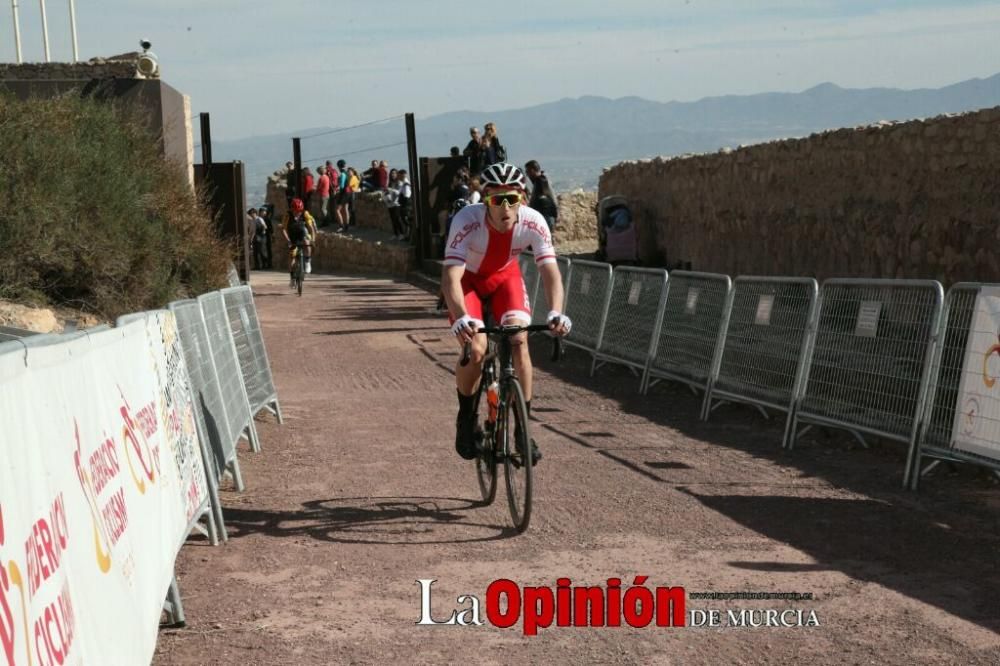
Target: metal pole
17	30
45	31
72	26
416	200
206	143
297	166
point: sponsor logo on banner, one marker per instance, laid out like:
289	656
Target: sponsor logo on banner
976	428
41	619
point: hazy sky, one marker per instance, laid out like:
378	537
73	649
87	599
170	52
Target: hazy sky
272	67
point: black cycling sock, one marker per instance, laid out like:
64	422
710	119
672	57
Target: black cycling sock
527	403
466	403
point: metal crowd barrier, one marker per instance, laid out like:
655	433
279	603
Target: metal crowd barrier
233	276
870	364
634	316
588	292
210	411
250	350
539	305
529	272
691	331
210	510
936	440
766	344
227	366
8	333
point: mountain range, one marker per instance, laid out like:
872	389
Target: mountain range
574	139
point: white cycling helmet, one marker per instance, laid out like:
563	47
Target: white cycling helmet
502	174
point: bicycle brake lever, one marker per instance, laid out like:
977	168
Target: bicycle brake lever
556	348
466	354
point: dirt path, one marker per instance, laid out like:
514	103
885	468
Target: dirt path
360	494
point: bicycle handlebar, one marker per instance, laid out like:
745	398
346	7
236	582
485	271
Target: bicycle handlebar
508	331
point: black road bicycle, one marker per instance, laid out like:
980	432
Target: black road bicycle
299	266
505	436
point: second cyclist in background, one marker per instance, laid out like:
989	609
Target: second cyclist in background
299	228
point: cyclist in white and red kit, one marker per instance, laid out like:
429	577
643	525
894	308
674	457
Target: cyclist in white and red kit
481	262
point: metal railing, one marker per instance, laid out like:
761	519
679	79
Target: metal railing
211	508
871	355
250	350
211	409
766	343
690	333
227	366
959	331
588	292
634	314
539	304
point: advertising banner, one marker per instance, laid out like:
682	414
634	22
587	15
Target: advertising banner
977	414
100	479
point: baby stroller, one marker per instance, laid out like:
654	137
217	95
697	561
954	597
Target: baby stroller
617	237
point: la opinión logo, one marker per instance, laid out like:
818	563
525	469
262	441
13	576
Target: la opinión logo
637	605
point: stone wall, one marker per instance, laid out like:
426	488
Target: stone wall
577	223
338	252
917	199
98	68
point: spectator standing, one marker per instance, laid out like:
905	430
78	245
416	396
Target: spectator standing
475	190
353	187
323	192
383	175
405	200
492	150
334	174
258	229
369	179
459	187
391	195
472	151
266	212
308	187
343	212
542	198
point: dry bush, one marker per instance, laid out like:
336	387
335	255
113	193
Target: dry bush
92	216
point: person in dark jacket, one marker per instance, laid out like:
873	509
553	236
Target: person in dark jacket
542	198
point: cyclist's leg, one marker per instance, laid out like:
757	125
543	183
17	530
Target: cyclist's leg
467	378
467	381
510	305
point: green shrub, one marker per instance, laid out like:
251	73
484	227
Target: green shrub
92	216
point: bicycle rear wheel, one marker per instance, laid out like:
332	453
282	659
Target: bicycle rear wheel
516	446
486	461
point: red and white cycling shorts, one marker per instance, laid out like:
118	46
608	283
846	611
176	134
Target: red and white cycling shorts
505	291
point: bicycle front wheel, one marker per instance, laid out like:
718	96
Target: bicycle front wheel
300	275
486	461
516	442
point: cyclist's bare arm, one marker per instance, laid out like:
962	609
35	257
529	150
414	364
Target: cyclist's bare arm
451	287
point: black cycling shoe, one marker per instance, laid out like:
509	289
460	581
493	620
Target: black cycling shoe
536	453
465	437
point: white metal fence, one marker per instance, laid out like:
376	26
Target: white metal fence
765	344
227	367
633	318
945	397
250	350
587	294
870	361
693	322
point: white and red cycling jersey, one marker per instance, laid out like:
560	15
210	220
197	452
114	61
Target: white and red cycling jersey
490	259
